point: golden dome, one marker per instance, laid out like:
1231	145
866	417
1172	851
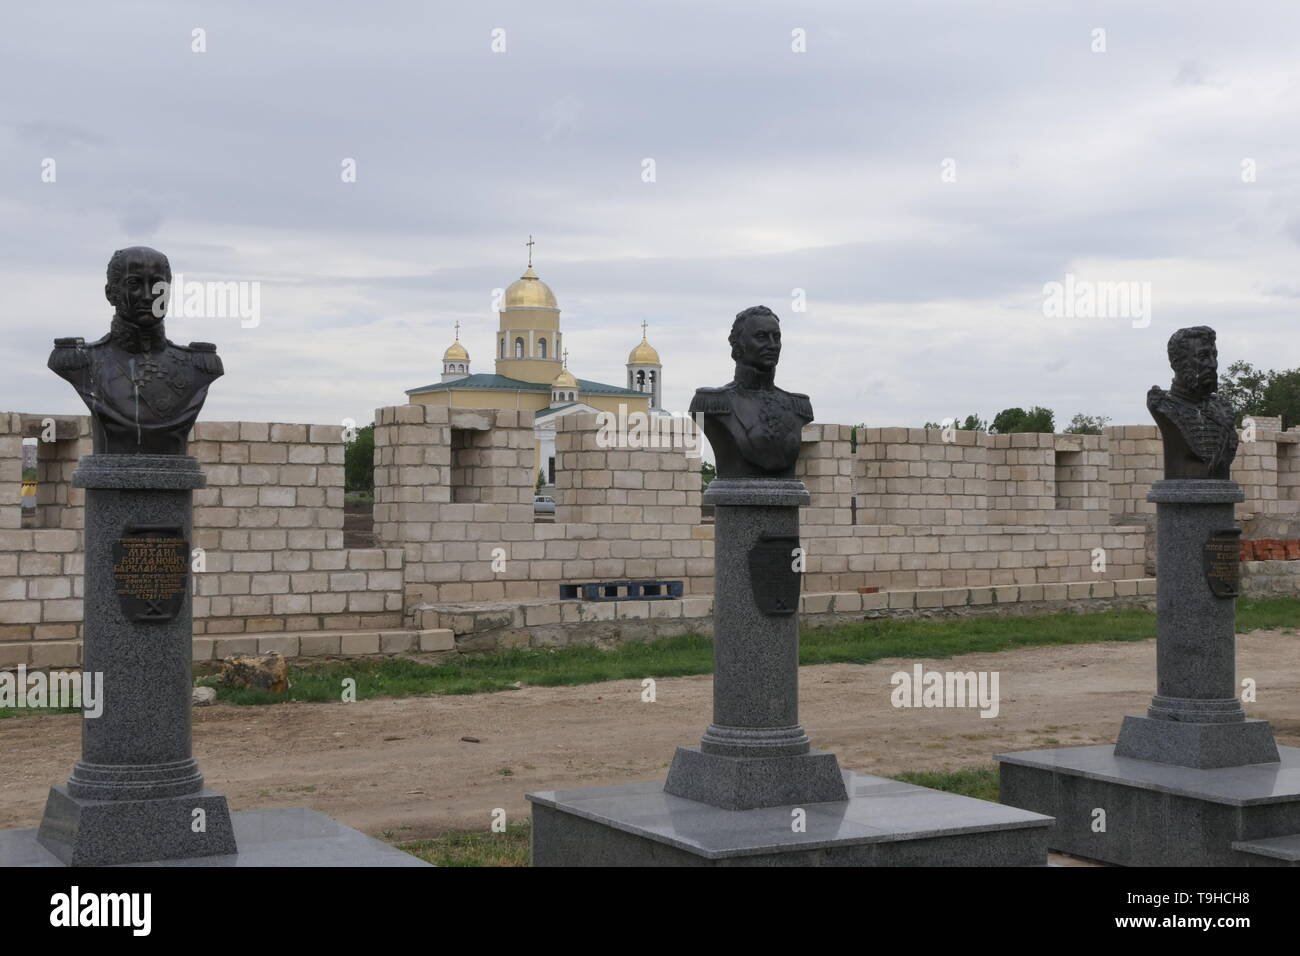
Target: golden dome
528	291
565	380
644	354
455	353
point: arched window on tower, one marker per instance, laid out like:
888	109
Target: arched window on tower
541	348
640	380
519	348
503	346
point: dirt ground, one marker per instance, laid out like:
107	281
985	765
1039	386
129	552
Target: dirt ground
398	768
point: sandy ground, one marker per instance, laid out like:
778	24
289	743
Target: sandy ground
399	768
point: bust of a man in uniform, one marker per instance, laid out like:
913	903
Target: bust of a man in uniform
753	426
144	392
1196	425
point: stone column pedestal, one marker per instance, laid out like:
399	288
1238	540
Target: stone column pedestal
755	753
1196	718
137	794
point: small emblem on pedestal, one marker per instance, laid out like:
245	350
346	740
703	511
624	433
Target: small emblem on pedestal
772	577
151	572
1223	563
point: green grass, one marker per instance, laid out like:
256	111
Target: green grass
979	782
474	847
861	642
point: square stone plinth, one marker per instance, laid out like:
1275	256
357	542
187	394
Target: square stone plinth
289	836
882	823
1158	814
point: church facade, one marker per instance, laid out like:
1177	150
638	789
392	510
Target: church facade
531	372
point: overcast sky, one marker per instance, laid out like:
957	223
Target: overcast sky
774	170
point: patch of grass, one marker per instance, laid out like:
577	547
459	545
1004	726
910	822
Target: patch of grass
861	642
475	847
1267	614
979	782
36	711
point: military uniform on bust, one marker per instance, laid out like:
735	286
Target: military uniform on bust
1196	426
754	427
144	393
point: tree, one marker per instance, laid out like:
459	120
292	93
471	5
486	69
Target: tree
707	473
1251	391
971	423
541	480
359	461
1082	424
1012	420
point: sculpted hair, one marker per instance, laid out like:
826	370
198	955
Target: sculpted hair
117	262
1180	343
753	312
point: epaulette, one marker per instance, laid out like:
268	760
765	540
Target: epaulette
69	355
802	403
711	401
203	356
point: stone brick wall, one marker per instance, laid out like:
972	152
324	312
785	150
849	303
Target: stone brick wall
620	513
894	509
269	524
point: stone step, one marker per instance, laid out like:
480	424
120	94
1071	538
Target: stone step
327	643
1285	848
64	654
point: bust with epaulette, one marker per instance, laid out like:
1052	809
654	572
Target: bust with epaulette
144	393
1196	426
753	426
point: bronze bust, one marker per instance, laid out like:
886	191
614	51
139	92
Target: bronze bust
753	426
1196	425
144	392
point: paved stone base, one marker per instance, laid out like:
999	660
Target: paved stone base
736	783
291	836
1157	814
883	823
1205	746
109	832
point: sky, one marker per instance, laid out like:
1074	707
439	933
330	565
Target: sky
921	172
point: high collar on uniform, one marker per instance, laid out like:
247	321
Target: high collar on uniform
135	338
747	376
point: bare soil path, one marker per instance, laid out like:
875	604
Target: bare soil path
399	767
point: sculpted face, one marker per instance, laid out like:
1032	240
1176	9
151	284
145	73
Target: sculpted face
1197	372
759	343
138	292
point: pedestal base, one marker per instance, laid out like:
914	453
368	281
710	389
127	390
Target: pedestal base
1203	746
882	823
1157	814
83	832
746	783
289	836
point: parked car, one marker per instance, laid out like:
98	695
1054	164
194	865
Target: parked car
543	505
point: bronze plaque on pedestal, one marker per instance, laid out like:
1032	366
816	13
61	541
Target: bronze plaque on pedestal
1222	554
772	576
151	572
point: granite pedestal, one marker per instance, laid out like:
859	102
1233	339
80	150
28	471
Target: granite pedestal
136	793
1193	782
753	792
292	836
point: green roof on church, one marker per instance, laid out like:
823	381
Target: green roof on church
503	383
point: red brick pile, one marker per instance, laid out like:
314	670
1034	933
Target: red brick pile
1271	549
